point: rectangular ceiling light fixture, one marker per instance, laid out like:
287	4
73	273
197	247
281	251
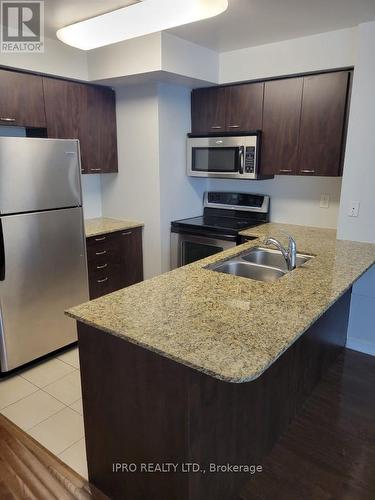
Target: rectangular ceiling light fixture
143	18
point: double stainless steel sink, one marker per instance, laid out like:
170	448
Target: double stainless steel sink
261	264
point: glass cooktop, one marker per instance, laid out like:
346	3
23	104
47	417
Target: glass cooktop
217	222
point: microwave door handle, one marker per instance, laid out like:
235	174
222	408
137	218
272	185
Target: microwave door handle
242	159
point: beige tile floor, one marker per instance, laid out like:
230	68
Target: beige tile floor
46	402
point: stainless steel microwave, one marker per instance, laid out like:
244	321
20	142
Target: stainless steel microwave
229	157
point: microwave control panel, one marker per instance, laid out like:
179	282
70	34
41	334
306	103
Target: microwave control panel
250	160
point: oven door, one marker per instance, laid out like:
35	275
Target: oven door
188	248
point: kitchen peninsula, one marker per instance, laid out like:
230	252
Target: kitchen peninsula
200	366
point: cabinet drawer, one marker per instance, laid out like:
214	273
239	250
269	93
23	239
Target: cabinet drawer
103	265
101	250
99	256
101	283
99	241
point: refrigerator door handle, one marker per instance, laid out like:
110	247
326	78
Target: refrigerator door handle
2	253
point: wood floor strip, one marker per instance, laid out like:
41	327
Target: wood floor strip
29	471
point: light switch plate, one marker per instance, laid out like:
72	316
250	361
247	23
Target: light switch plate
354	209
324	201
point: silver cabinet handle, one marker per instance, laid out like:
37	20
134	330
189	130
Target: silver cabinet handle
82	170
234	126
102	281
308	171
7	119
102	267
95	169
127	234
101	253
285	171
216	126
100	239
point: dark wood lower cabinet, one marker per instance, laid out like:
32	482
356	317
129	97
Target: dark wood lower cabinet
114	261
141	407
131	256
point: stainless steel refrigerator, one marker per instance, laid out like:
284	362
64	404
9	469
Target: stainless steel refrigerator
43	268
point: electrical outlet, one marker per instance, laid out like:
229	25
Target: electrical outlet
324	201
354	209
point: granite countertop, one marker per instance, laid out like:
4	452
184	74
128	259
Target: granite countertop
103	225
228	327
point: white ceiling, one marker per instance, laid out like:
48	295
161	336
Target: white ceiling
246	22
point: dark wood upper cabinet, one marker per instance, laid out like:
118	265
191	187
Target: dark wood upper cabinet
324	104
303	120
21	99
85	112
102	132
236	108
281	122
66	111
244	107
208	110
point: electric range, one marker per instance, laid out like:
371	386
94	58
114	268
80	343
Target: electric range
225	215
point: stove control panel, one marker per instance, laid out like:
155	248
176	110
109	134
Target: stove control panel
237	201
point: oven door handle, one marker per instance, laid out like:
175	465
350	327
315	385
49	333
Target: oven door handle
242	159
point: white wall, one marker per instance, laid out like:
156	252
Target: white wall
184	58
334	49
132	57
180	196
359	185
91	196
58	59
294	200
359	167
152	54
151	186
134	192
361	333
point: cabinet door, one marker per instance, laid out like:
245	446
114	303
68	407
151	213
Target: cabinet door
21	100
101	128
208	110
322	123
281	121
84	112
244	107
66	112
131	256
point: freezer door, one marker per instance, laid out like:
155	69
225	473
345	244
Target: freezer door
44	272
38	174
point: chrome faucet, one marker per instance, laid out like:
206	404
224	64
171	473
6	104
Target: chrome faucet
289	255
